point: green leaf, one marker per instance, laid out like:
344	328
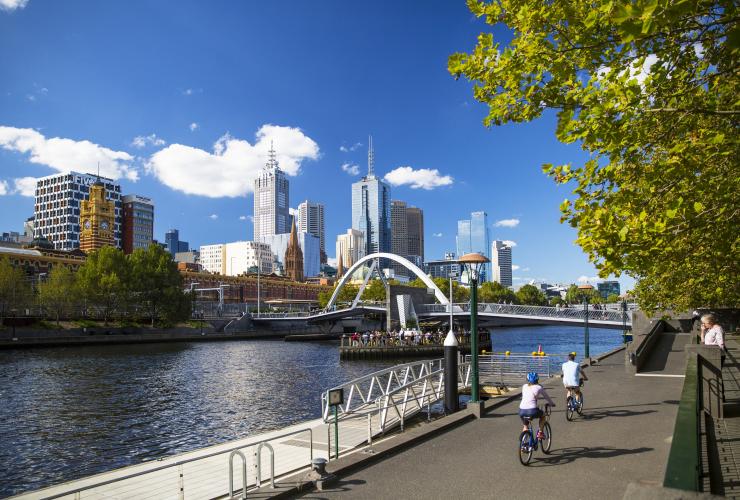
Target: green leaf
698	207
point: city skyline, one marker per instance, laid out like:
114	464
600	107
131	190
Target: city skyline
194	137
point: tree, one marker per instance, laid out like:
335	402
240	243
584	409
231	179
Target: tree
576	295
531	295
496	293
557	300
15	291
346	295
59	292
157	284
613	298
104	280
649	90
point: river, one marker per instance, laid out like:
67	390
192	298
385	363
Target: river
69	412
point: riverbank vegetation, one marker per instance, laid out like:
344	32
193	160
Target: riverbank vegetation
648	89
144	287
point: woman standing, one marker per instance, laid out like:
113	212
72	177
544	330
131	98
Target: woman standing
711	332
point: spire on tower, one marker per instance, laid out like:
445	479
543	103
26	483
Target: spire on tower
272	159
370	158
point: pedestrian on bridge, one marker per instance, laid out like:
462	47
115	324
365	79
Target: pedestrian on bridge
712	333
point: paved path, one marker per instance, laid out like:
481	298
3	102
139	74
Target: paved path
624	436
727	430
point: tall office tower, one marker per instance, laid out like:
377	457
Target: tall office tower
97	218
607	288
371	208
28	228
57	207
138	222
271	200
351	247
399	235
173	243
311	220
415	225
501	263
293	257
472	236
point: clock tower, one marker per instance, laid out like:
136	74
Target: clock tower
97	215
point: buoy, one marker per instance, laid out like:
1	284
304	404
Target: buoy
508	353
534	353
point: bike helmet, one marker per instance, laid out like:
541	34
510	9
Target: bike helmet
532	377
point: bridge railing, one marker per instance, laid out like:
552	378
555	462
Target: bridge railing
531	311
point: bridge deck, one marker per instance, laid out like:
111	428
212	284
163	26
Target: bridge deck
624	436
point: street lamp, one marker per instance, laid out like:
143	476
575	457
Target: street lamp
450	349
585	324
473	262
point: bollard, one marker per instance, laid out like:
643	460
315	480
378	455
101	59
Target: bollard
369	429
451	395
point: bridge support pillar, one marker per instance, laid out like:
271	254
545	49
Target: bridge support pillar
451	395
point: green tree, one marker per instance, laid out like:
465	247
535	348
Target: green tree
649	90
59	293
531	296
495	293
554	301
346	295
104	279
576	295
157	285
15	291
613	298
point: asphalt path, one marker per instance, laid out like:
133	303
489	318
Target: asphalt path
623	436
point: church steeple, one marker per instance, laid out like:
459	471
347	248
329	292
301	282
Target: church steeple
340	267
294	256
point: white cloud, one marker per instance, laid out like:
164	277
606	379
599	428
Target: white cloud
242	217
510	243
423	178
347	149
187	92
4	189
193	126
437	235
332	261
25	186
514	267
507	223
9	5
526	269
351	169
213	216
588	279
231	168
65	155
141	141
31	97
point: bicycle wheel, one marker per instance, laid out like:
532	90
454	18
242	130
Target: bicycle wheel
547	439
525	448
580	405
569	408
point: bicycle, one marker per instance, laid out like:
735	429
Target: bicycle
574	405
529	442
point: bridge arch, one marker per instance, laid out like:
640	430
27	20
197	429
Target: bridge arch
396	258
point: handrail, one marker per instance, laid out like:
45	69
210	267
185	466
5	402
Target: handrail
73	490
683	470
231	473
258	454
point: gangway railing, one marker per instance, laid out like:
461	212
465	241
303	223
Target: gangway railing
542	312
362	391
501	369
193	478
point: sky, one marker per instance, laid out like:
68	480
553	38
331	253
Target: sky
179	101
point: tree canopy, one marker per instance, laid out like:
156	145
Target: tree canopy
649	90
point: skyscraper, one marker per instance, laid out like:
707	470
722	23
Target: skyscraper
311	220
271	200
399	234
501	263
472	236
138	222
371	208
415	225
57	207
173	244
350	247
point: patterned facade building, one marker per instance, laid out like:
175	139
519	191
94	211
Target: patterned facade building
138	222
293	257
97	219
501	263
271	201
311	221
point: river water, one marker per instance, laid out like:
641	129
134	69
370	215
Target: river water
69	412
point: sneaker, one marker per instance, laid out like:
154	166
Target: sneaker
540	435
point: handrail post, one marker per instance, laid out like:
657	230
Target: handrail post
231	474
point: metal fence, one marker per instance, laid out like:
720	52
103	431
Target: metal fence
545	312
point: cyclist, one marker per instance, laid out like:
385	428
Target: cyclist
528	407
573	377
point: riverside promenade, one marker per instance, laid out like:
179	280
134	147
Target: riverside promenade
624	436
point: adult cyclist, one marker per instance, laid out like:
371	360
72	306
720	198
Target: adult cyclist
531	391
573	377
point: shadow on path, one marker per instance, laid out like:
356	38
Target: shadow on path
568	455
598	415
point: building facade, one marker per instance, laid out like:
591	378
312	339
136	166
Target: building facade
415	228
607	288
271	201
138	222
173	244
501	263
399	235
350	247
57	208
473	237
293	260
311	220
97	220
236	258
371	209
309	247
443	268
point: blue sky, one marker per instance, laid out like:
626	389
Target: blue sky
179	100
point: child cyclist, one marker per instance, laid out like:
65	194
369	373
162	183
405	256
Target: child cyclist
528	407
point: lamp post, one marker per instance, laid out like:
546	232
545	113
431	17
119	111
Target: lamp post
450	348
585	324
474	262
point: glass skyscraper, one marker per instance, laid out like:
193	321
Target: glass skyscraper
371	210
271	200
472	236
